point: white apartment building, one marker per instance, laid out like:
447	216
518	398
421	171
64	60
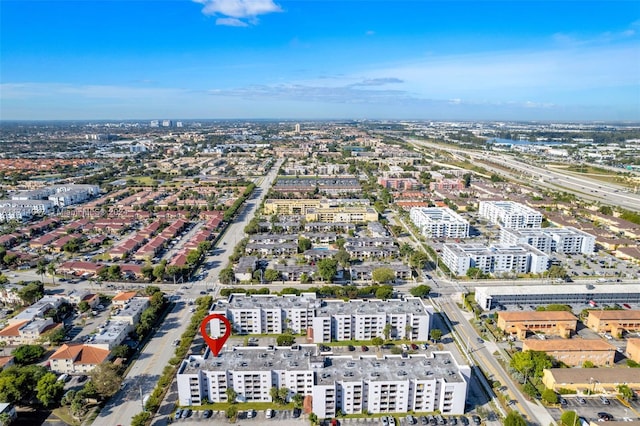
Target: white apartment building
40	207
570	240
567	240
324	320
350	384
498	258
365	319
437	222
508	214
259	314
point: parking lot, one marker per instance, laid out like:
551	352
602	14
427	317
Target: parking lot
593	405
285	417
282	417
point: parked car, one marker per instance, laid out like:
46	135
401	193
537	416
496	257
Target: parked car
414	346
582	400
296	413
351	348
410	420
604	400
178	413
476	420
207	413
269	413
186	413
602	416
251	414
364	348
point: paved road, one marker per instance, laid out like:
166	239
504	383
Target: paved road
583	187
483	354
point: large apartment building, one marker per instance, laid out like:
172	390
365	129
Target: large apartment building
498	258
325	320
560	240
509	214
437	222
365	319
349	384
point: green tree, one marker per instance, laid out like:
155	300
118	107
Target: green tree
107	379
420	291
84	306
419	259
626	392
41	269
28	354
231	412
343	258
5	419
476	273
31	292
557	271
147	272
606	210
273	392
383	275
549	396
285	340
159	270
141	419
49	390
271	275
514	419
588	364
384	292
386	331
304	244
297	399
377	342
231	395
569	418
114	272
227	276
304	278
193	257
121	351
327	269
435	334
3	279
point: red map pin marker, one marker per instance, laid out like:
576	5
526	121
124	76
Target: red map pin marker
215	344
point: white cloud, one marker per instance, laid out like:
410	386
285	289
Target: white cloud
370	33
236	13
231	22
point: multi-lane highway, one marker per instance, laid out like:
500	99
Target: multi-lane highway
556	179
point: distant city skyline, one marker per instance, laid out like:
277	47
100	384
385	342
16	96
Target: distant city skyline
371	59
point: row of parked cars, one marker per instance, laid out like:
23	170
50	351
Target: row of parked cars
431	420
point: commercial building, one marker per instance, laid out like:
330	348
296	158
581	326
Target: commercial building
560	240
573	294
574	352
351	385
613	321
498	258
591	380
509	214
520	324
437	222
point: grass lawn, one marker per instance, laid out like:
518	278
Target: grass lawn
63	414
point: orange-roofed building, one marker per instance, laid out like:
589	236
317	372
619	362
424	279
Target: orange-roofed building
11	333
613	321
78	358
123	298
574	352
559	323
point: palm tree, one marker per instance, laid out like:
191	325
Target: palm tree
51	269
41	269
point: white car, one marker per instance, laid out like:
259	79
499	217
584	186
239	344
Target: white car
269	413
405	347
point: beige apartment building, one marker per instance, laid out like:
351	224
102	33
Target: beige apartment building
614	322
574	352
519	324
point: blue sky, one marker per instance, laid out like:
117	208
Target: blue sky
477	60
